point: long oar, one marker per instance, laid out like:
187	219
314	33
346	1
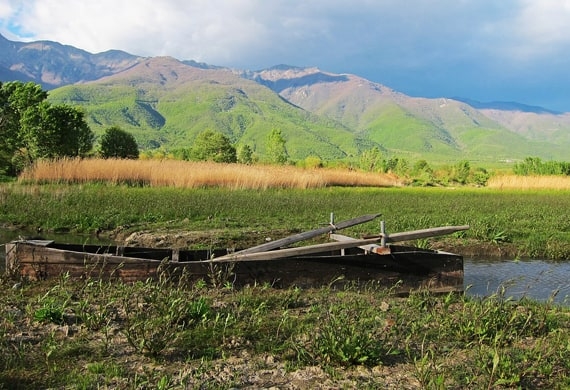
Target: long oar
307	235
422	233
402	236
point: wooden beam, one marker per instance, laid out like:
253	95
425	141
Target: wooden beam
308	235
372	248
291	252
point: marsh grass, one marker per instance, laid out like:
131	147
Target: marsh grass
534	182
184	174
173	334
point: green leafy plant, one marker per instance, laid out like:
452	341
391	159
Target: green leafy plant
54	303
51	311
155	311
344	336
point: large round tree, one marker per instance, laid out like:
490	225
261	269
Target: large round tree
117	143
211	145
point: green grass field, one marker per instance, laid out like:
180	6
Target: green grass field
534	223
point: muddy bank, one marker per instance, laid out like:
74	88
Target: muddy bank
224	239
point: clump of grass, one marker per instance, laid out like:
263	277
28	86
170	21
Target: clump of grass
184	174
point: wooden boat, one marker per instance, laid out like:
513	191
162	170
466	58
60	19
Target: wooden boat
344	259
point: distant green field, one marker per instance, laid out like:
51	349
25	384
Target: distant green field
536	222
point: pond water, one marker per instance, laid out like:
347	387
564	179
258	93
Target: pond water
537	279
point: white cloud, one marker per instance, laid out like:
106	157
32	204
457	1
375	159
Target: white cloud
239	32
536	30
185	29
545	22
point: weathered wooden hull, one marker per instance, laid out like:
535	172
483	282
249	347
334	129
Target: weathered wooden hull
407	267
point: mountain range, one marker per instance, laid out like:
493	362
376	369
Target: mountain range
165	103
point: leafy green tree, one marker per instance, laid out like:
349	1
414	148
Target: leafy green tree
276	150
421	166
181	154
211	145
535	166
6	138
371	160
117	143
15	99
462	171
313	162
32	128
244	154
51	131
423	174
530	166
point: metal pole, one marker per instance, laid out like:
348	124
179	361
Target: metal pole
383	233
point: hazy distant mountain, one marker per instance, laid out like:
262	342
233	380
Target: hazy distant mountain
52	64
165	102
506	106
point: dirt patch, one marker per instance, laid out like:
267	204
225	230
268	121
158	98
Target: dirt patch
196	239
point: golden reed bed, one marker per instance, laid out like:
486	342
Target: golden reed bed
184	174
529	182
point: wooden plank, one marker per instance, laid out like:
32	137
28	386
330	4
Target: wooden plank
372	248
37	242
308	235
291	252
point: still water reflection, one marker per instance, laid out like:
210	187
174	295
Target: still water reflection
535	279
529	278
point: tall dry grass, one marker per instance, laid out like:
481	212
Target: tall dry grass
184	174
529	182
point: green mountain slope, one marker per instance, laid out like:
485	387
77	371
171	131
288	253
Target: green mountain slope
164	102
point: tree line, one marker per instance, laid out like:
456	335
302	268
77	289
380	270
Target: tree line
535	166
210	145
31	128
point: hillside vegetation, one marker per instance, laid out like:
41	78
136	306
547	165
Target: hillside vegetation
166	103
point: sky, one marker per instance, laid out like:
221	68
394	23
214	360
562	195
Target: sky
486	50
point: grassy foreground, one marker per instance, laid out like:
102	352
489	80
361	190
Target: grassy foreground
169	334
174	335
